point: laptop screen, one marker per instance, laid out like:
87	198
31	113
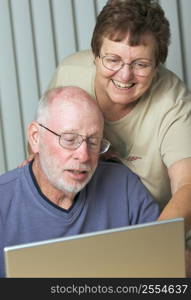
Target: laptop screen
155	249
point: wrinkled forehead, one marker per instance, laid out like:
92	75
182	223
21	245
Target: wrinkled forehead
76	115
147	49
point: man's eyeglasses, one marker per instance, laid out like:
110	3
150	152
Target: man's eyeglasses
115	63
72	141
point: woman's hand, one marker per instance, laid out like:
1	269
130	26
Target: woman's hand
188	263
26	161
110	156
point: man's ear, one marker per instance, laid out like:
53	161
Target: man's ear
33	136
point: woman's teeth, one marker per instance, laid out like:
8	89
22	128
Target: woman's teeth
122	85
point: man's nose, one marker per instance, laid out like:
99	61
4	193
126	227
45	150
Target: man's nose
82	153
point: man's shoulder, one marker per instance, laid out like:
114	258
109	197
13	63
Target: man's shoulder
114	167
12	184
10	177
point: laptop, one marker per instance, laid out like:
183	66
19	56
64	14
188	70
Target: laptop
154	249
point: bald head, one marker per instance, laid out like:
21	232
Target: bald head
60	98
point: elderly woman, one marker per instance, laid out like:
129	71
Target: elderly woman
147	108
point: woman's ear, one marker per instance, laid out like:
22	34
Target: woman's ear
33	136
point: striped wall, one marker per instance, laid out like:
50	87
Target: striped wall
35	35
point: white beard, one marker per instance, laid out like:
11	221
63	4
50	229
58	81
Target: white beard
55	173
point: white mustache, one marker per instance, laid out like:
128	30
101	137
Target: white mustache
81	168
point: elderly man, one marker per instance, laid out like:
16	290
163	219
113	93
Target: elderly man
64	190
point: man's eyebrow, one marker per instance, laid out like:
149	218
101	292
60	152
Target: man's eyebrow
66	130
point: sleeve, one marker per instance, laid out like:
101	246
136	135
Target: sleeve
175	133
142	206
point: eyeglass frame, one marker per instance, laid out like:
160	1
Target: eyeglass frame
83	138
131	65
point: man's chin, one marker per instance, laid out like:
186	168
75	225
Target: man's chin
74	188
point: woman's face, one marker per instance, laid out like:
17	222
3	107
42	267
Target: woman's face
125	86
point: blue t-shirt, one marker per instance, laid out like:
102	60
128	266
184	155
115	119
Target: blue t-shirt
114	197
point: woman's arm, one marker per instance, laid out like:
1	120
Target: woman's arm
180	203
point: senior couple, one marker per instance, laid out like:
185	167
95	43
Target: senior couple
147	119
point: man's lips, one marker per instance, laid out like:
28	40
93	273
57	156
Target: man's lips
77	171
78	174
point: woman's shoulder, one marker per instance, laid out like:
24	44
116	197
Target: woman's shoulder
80	58
76	69
169	87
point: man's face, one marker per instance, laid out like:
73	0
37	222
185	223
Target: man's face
69	170
124	86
